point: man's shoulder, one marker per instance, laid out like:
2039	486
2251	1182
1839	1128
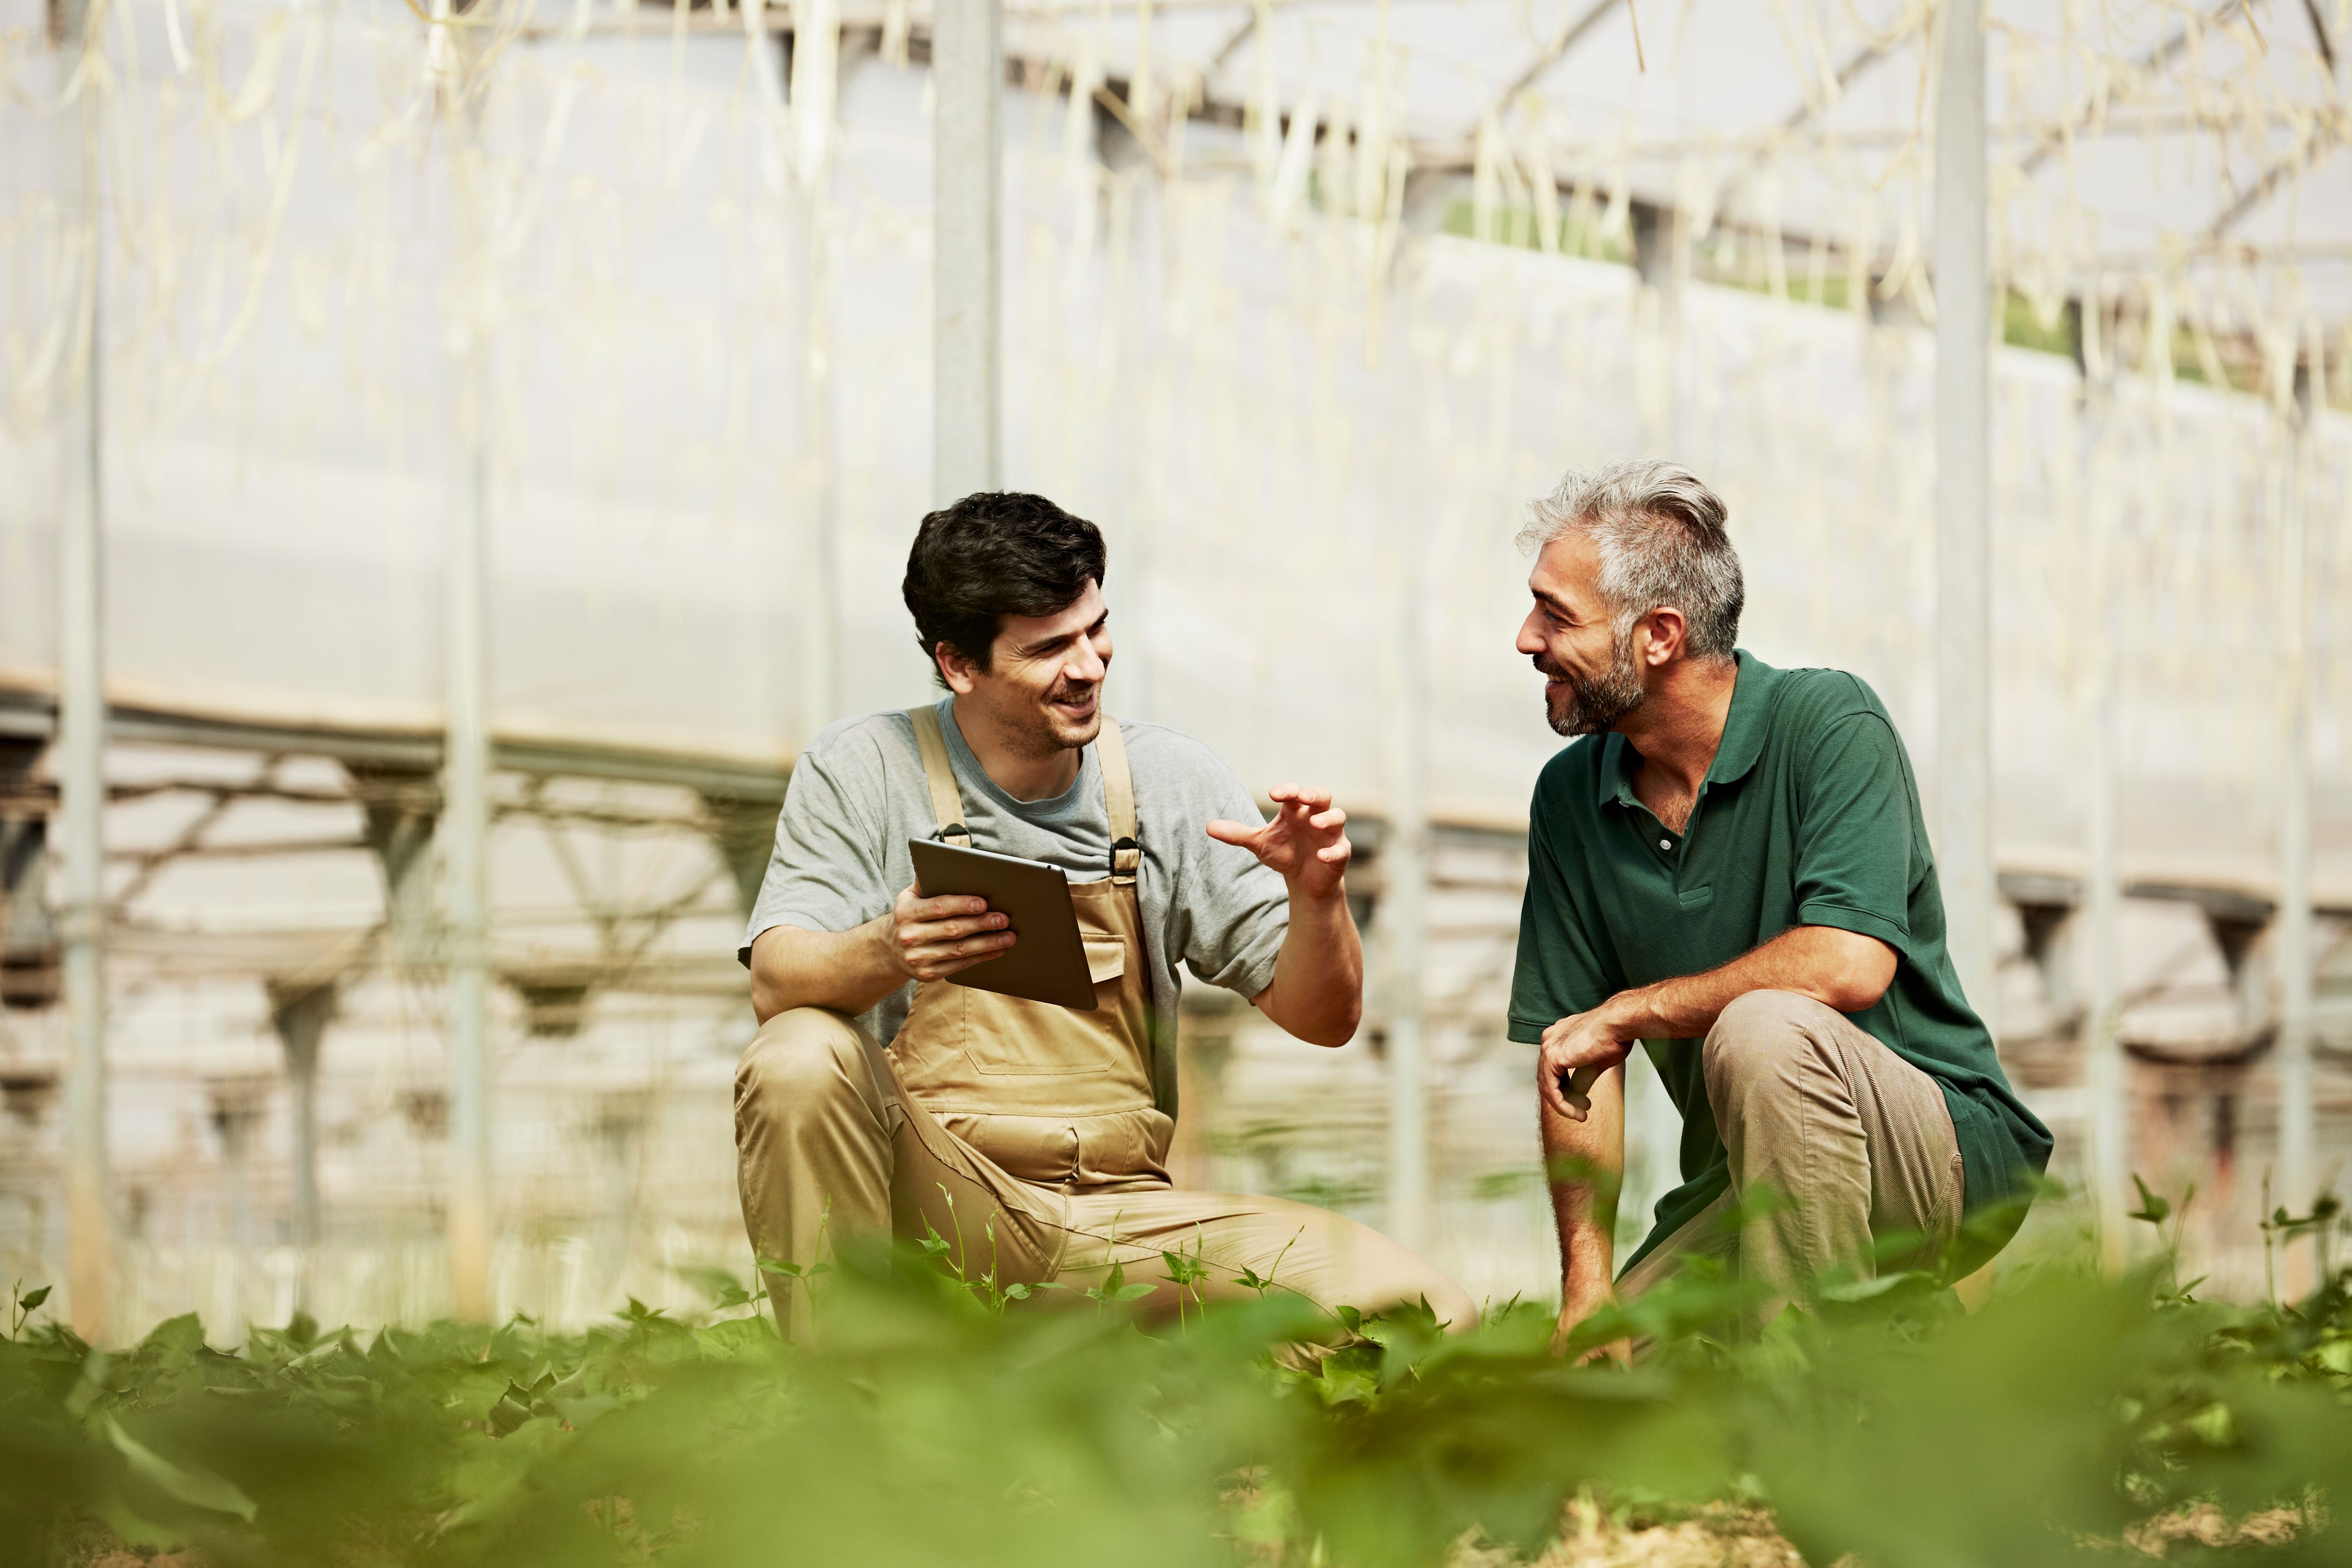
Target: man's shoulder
1807	701
864	740
1171	761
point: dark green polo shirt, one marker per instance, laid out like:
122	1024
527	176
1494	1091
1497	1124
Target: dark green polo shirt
1809	816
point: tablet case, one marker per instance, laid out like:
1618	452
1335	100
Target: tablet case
1048	964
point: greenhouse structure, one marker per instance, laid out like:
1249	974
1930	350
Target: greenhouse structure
454	454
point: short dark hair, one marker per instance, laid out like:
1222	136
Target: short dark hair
993	554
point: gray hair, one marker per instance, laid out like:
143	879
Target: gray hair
1663	545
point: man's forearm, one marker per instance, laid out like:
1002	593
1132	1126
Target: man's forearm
848	971
1318	991
1585	1166
1841	969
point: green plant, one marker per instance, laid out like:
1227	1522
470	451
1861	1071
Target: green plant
942	1419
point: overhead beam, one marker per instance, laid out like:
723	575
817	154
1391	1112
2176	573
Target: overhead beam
2163	55
2324	140
1861	60
1554	52
32	715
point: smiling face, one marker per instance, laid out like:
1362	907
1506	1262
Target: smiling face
1592	678
1041	691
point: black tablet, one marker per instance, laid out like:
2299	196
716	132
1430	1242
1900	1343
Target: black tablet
1048	964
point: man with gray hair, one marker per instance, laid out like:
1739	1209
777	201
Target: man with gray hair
1729	869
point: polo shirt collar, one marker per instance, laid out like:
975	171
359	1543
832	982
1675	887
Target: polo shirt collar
1745	726
1744	729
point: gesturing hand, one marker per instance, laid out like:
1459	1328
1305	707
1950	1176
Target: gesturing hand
1576	1051
1307	842
931	938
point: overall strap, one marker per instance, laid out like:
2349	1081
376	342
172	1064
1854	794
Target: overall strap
947	801
1119	802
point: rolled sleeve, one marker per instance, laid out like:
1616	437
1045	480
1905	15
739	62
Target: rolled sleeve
825	873
1854	833
1233	914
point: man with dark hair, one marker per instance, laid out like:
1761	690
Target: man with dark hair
879	1096
1729	869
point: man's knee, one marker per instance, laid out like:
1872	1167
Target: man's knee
804	1061
1757	1033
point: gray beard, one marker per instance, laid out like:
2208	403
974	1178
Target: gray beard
1598	704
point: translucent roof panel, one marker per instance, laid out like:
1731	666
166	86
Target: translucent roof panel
2138	138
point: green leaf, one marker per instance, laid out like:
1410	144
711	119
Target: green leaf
512	1409
1134	1292
32	1299
2153	1207
199	1489
183	1335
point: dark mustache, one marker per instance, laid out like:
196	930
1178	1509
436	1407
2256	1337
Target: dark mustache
1545	667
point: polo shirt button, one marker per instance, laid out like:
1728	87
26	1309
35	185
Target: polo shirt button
1665	844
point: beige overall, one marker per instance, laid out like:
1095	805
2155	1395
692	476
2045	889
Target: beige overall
1026	1135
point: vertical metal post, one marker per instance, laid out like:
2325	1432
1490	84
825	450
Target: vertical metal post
967	255
819	683
1963	556
2298	1177
81	733
465	834
1404	918
1402	921
2106	1108
300	1010
821	665
465	764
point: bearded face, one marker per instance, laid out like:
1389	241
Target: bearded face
1592	673
1042	692
1589	704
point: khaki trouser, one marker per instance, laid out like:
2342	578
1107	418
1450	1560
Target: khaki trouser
1857	1142
830	1147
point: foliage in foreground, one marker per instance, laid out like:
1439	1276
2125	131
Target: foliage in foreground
935	1426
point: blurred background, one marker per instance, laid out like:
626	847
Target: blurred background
451	457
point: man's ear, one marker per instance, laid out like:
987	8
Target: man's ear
1669	633
960	673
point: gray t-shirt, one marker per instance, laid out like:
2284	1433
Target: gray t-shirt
857	795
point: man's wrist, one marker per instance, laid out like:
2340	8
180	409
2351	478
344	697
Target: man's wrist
1631	1014
1334	895
881	934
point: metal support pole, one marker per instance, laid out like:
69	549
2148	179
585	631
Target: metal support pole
300	1010
2108	1106
967	255
466	776
465	834
821	662
1963	557
1404	921
81	738
2298	1176
1401	922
